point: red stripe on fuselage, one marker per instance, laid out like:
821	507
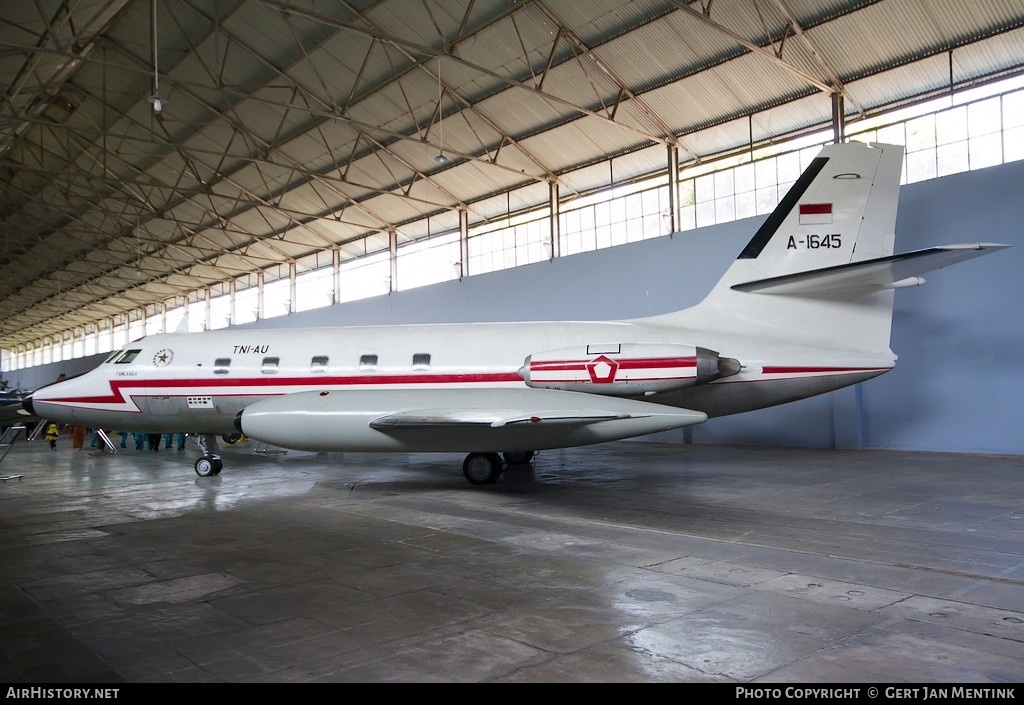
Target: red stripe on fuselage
183	385
227	384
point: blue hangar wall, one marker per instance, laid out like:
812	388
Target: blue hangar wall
958	385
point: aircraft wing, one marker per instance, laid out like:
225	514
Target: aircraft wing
494	419
11	409
13	414
882	273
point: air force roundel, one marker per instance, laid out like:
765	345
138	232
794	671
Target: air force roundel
163	357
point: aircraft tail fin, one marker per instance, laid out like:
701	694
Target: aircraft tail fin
840	213
820	270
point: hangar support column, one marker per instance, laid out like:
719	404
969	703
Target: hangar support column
393	247
838	118
260	301
206	310
336	274
673	188
555	248
463	243
292	290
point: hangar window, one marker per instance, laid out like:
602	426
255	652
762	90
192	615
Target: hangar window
128	356
318	363
367	363
421	361
221	365
270	365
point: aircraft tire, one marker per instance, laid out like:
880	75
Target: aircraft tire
482	468
518	457
207	466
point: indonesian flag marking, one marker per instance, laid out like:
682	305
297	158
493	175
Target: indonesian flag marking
815	213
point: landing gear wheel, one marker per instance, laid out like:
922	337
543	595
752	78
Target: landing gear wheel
518	457
209	465
482	468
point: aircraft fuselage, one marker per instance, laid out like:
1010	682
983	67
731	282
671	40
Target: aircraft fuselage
198	383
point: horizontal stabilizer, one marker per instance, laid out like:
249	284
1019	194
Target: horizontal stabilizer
870	275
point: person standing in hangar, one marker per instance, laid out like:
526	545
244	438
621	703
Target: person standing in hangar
52	434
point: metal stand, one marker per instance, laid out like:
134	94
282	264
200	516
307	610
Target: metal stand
6	442
38	430
108	445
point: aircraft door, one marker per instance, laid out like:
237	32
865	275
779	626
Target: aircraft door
161	399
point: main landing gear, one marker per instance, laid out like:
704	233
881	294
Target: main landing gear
486	468
519	457
210	463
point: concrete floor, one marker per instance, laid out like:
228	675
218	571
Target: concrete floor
626	562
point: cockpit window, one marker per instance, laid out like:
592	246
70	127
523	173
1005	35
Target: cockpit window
112	355
128	356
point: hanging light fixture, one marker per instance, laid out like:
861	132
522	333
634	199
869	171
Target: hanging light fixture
156	100
440	158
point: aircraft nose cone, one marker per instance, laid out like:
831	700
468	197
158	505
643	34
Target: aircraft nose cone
26	404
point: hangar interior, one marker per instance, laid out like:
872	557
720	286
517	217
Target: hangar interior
173	163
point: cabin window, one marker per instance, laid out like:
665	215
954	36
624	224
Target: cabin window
127	357
270	365
318	363
221	365
367	363
421	361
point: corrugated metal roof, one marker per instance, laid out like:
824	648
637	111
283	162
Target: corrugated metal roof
292	127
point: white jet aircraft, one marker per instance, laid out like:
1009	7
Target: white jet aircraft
805	309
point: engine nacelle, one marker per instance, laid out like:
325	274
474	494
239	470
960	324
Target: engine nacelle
626	369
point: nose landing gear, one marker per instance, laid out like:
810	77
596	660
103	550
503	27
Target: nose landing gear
210	463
